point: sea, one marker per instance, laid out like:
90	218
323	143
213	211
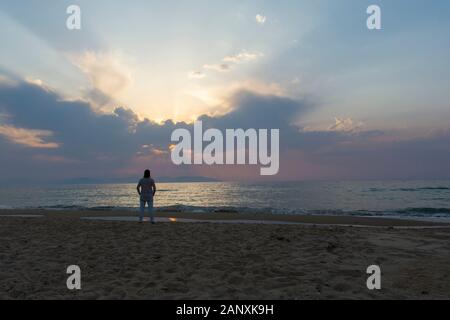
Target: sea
404	199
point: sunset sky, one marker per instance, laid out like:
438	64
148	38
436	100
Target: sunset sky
100	102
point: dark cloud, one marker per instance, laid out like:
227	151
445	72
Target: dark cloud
93	144
259	111
75	125
99	98
263	112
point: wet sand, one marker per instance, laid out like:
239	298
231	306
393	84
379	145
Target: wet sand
312	260
301	219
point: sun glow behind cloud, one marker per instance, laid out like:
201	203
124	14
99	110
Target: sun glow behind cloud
106	73
171	79
172	95
152	87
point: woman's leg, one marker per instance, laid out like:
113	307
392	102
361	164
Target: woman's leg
151	211
141	212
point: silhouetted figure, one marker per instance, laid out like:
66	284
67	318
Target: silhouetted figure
146	189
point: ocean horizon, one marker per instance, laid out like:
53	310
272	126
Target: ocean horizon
415	198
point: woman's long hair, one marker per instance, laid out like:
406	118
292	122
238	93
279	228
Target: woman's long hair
147	174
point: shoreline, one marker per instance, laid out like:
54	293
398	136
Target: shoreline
331	220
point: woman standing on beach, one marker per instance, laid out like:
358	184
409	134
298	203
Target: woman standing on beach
146	189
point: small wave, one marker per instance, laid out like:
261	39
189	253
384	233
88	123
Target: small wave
403	212
416	212
421	189
407	213
78	208
60	207
409	189
427	210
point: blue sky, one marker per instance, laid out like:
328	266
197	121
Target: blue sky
179	60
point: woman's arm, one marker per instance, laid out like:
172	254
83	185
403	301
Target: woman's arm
154	188
138	188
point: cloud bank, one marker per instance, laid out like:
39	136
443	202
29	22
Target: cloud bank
46	138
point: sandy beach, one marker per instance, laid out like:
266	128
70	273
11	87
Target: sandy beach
319	258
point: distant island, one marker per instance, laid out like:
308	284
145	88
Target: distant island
180	179
187	179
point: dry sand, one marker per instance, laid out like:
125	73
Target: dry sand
127	260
